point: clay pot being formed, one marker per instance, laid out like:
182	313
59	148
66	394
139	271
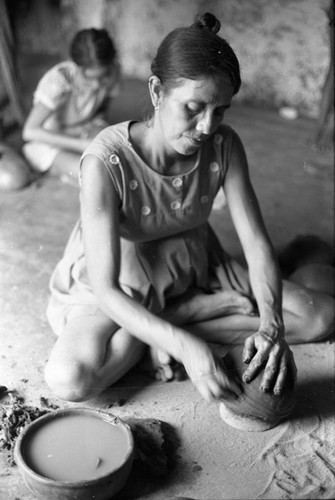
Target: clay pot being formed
255	410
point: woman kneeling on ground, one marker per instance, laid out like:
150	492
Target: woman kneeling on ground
143	266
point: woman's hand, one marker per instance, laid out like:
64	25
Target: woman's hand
207	372
272	350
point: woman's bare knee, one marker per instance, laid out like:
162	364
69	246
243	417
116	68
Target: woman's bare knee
70	382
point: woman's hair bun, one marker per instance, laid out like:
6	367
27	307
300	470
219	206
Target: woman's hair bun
208	21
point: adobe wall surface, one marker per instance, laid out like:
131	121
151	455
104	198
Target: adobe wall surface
283	45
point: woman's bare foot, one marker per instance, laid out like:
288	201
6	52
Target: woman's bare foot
161	366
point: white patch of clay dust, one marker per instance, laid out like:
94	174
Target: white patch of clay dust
301	458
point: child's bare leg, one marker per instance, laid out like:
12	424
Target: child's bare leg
91	354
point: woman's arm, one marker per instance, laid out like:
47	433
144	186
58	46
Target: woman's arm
100	223
266	345
33	131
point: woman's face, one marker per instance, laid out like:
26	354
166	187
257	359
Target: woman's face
100	76
190	113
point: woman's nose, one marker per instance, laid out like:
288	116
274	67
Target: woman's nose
205	123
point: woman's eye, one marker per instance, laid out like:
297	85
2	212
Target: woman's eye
193	110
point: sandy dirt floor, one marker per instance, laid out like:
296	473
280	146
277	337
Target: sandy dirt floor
208	459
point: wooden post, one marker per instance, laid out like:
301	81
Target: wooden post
7	66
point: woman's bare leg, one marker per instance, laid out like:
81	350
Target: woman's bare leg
227	319
91	354
198	306
308	314
308	317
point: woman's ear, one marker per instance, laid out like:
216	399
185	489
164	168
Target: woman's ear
155	89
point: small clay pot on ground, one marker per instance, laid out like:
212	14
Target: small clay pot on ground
15	172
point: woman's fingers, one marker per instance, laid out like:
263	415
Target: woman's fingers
211	390
248	349
287	364
275	355
281	377
270	372
207	372
217	385
260	349
254	366
228	383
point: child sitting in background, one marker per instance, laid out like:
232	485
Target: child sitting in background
70	104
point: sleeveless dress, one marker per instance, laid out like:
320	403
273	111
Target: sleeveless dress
167	245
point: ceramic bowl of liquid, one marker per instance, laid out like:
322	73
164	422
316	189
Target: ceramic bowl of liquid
75	454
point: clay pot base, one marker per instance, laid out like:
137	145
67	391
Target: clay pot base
243	423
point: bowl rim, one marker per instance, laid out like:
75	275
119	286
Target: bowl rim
38	422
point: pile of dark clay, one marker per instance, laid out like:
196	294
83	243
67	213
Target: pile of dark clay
155	457
155	446
14	416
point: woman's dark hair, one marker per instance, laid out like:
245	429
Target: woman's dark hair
194	52
92	47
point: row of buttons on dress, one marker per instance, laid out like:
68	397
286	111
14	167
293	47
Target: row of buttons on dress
177	183
218	138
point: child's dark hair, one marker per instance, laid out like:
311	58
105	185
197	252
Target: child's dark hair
194	52
92	47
